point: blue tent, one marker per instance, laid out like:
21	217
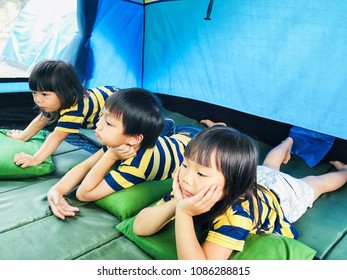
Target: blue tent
280	61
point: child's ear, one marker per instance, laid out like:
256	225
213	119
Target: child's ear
135	140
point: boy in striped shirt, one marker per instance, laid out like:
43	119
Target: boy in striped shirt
133	151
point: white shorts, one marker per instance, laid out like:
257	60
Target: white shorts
294	195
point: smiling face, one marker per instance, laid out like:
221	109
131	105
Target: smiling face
193	176
110	130
48	101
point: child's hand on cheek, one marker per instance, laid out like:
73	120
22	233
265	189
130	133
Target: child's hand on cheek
122	152
176	187
202	202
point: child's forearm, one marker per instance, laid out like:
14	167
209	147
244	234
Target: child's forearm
87	191
188	246
75	176
72	178
34	127
151	219
49	146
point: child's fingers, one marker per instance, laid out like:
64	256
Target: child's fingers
57	214
25	164
176	186
55	210
23	159
69	211
124	151
176	177
15	133
62	209
202	193
18	159
62	213
208	196
214	193
202	202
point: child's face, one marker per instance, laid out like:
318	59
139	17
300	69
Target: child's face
48	101
193	177
110	130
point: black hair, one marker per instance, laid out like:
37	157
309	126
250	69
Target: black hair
59	77
141	113
236	156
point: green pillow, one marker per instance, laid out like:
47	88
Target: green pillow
162	245
9	147
128	202
273	247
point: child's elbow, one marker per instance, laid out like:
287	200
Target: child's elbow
139	229
82	196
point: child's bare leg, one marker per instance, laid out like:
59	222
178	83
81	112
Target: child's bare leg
279	154
210	123
330	181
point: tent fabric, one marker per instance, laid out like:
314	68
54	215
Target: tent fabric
62	32
145	1
280	60
86	14
283	61
116	45
309	145
49	33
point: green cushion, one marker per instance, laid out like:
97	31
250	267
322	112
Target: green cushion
162	246
9	147
128	202
273	247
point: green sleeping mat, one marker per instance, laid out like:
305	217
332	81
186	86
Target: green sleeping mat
29	231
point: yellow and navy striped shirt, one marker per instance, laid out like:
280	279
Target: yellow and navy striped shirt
231	229
158	163
87	112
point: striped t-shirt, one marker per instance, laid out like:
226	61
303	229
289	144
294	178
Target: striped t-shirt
87	112
231	229
158	163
